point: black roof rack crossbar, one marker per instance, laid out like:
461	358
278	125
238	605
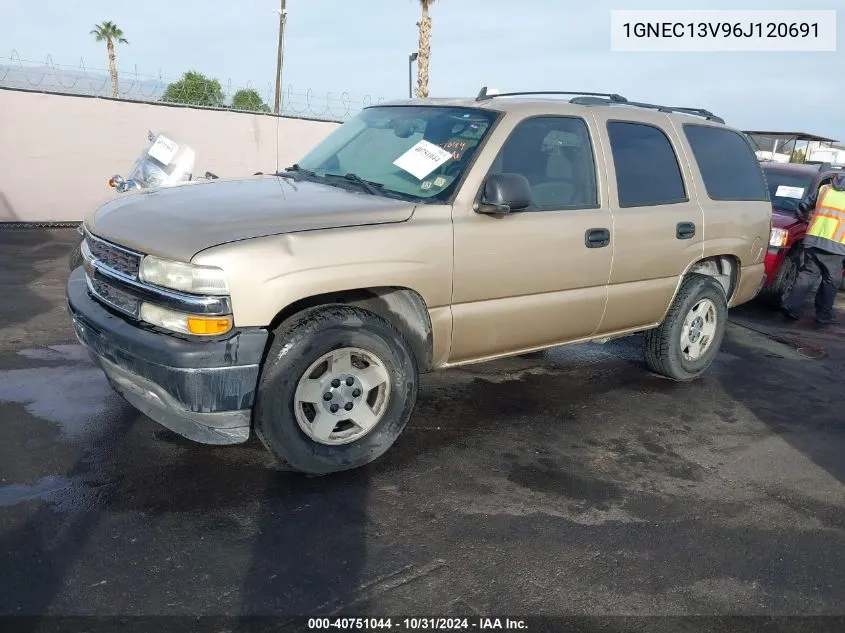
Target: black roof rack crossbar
590	101
484	96
637	104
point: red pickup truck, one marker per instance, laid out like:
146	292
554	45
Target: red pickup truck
788	184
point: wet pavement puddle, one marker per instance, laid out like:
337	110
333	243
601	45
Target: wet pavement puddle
72	394
13	494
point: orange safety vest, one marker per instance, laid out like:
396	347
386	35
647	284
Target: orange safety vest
827	226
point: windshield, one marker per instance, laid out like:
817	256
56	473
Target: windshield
787	189
164	162
418	152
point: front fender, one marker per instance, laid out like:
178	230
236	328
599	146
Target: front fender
266	275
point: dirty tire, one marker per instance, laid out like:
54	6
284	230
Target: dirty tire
663	353
297	343
75	260
783	282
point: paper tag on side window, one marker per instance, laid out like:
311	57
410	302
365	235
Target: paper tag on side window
163	150
789	192
422	159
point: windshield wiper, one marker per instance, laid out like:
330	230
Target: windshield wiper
297	169
373	188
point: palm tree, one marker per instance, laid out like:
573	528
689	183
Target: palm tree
425	49
110	33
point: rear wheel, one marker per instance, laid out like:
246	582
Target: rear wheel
684	345
337	389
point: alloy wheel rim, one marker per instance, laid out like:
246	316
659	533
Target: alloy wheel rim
342	396
699	330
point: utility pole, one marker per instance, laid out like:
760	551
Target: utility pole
282	20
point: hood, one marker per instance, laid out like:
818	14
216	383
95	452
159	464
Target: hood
178	222
838	182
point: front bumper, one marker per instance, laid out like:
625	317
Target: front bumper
202	390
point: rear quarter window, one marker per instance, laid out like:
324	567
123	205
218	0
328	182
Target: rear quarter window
727	163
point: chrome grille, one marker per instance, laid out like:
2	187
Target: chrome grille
113	280
114	297
112	256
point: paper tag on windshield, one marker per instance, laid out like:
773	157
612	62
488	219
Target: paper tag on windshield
163	150
422	159
789	192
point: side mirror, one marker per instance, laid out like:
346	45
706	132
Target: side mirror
504	193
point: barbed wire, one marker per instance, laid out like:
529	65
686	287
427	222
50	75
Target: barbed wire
8	226
192	89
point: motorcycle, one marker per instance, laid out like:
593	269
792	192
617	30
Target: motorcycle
163	163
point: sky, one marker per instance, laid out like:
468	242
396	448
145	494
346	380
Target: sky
362	48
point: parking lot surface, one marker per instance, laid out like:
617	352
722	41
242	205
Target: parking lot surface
569	482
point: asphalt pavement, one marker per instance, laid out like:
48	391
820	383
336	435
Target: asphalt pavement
568	482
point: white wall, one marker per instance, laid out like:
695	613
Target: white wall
57	152
828	155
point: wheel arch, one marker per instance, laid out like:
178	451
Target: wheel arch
723	268
403	307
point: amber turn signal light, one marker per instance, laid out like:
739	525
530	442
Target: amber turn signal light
209	326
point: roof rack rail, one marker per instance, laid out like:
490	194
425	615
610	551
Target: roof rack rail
694	111
651	106
483	95
603	98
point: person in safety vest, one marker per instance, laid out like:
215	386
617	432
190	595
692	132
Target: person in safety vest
824	251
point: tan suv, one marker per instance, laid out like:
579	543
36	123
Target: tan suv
420	235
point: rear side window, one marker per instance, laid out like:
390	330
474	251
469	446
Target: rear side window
647	170
727	163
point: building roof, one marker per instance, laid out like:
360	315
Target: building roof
798	136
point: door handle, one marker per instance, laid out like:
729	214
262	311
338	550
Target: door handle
685	230
597	238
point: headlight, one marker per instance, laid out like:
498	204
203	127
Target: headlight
206	280
185	323
778	238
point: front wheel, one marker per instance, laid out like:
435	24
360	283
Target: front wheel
338	387
783	282
685	344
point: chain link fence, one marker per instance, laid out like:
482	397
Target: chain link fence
192	89
8	226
